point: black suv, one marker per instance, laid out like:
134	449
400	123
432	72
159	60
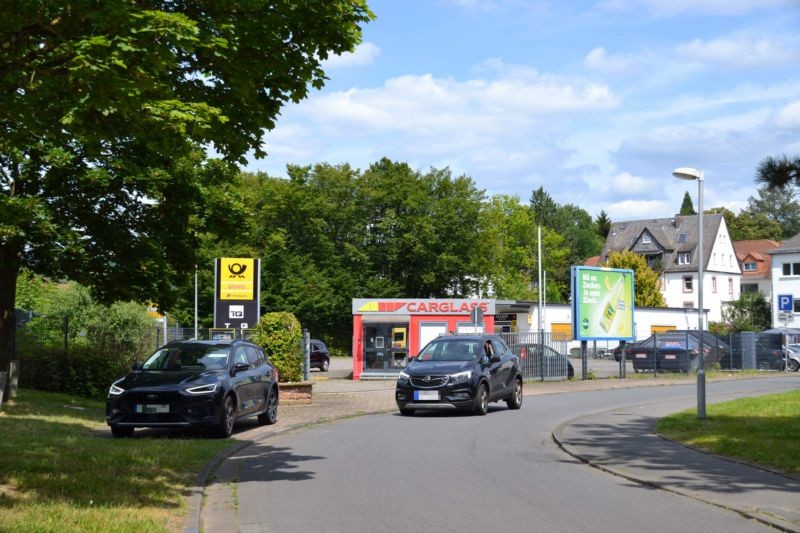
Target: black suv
319	357
209	384
460	372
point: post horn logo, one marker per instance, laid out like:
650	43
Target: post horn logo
237	270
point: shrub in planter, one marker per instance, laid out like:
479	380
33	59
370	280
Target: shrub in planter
281	337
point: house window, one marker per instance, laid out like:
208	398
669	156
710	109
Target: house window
713	283
750	267
791	269
797	305
749	287
684	258
730	285
646	239
687	283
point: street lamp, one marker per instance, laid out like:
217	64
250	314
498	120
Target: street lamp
686	173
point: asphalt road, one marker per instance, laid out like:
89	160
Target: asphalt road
438	472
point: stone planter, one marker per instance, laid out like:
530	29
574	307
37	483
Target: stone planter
296	393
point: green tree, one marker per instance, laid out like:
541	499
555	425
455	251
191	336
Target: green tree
509	254
543	206
603	224
778	205
647	283
102	106
779	172
751	312
687	207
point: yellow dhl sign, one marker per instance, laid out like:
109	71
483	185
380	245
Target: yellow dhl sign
237	277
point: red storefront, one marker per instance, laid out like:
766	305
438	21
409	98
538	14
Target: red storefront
387	330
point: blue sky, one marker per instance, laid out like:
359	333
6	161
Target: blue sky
596	101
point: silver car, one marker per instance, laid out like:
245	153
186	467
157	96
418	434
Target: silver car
793	353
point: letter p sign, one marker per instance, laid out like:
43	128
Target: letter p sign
785	303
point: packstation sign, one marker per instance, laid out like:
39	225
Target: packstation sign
237	291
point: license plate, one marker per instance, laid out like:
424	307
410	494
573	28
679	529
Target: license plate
426	395
641	356
669	357
152	409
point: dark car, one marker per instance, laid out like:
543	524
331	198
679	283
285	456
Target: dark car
208	384
617	351
554	365
320	357
769	353
675	351
460	372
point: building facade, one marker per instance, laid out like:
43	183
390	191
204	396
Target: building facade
670	247
786	281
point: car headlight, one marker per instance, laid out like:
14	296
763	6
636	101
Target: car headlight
203	389
461	377
403	377
116	390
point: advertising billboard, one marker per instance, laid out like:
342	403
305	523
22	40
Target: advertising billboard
602	304
237	292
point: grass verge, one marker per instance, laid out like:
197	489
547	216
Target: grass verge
764	430
60	470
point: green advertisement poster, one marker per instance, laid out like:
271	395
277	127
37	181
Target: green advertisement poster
602	303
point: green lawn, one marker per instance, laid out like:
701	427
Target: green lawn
763	430
60	470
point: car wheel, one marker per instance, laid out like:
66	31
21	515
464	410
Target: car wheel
270	415
794	365
482	400
225	427
763	364
120	432
326	364
515	400
406	412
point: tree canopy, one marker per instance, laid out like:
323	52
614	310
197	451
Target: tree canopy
687	207
103	107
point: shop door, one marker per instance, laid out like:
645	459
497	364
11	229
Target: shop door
376	346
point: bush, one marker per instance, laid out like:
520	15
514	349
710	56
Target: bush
281	337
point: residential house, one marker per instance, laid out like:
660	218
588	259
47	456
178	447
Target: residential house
670	246
786	281
756	264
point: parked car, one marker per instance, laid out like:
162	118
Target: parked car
460	372
320	357
793	355
769	352
676	351
208	384
555	365
629	347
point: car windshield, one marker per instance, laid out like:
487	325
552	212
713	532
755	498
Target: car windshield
451	350
189	356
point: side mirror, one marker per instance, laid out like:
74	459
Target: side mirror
494	359
137	366
240	367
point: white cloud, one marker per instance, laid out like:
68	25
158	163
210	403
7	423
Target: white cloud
637	209
676	7
789	116
598	59
739	52
364	54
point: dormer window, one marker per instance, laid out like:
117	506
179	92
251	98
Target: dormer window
750	267
684	258
646	239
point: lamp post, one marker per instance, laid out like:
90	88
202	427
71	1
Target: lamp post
686	173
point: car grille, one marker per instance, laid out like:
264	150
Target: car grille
153	397
428	382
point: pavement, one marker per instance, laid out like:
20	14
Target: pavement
597	440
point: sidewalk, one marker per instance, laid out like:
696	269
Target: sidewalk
214	505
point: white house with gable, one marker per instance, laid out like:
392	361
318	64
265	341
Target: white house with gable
670	246
786	281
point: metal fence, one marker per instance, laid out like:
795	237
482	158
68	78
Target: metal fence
542	356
